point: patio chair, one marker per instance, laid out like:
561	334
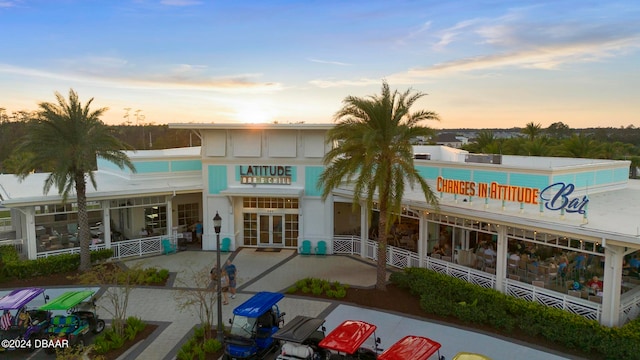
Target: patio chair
168	247
576	293
538	283
305	249
321	249
225	245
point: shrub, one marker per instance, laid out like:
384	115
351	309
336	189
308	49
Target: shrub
446	296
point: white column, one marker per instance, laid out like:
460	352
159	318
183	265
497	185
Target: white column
501	258
30	235
169	229
364	229
612	282
106	223
422	239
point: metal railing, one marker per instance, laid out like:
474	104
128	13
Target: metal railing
16	243
121	249
401	258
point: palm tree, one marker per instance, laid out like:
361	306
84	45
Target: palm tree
374	154
65	139
532	130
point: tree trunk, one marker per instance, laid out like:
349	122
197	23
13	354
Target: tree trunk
383	234
83	223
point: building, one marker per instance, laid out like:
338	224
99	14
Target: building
263	181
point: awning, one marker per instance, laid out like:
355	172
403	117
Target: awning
263	191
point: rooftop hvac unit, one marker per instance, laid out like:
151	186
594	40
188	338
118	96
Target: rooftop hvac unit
484	158
422	156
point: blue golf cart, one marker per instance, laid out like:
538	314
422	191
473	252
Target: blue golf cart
252	328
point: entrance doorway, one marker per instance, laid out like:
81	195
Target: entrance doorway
270	229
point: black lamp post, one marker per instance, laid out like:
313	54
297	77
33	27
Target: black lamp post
217	223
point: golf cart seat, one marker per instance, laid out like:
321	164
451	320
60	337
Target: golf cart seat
295	351
64	324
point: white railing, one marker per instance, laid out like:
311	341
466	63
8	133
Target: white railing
121	249
17	244
401	258
630	305
5	224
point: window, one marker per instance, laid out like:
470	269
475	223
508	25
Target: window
188	214
155	217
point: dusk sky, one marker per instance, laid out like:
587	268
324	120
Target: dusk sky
483	64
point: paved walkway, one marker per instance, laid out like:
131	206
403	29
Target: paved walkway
276	271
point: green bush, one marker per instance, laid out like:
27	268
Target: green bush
197	347
446	296
24	269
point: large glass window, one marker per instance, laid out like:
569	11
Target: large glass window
188	214
155	218
262	221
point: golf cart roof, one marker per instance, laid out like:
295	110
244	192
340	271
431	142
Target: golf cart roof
19	298
348	336
298	329
67	300
411	347
470	356
257	305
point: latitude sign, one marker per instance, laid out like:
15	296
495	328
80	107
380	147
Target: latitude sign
265	174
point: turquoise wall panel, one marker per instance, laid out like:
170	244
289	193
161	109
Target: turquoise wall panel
566	178
311	176
428	172
144	167
186	165
104	164
529	180
604	177
584	179
488	177
456	174
621	174
217	178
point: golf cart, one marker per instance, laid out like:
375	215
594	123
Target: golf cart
347	340
252	328
470	356
81	318
20	323
414	348
299	339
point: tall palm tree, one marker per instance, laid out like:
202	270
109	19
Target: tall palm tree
532	130
65	139
373	153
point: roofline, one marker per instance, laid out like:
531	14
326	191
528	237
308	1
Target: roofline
241	126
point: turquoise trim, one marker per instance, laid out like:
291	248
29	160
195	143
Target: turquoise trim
566	178
217	180
488	177
311	176
529	180
428	172
104	164
186	165
456	174
604	177
621	174
583	180
144	167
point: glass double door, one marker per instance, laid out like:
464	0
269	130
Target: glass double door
270	229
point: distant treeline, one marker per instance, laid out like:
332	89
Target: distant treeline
532	140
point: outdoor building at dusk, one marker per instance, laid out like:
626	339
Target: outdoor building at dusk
529	227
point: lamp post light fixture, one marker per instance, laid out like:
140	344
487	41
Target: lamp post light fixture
217	224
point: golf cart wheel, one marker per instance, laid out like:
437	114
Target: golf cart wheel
99	326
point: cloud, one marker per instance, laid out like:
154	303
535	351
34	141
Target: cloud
343	83
8	4
543	57
239	83
180	2
329	62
